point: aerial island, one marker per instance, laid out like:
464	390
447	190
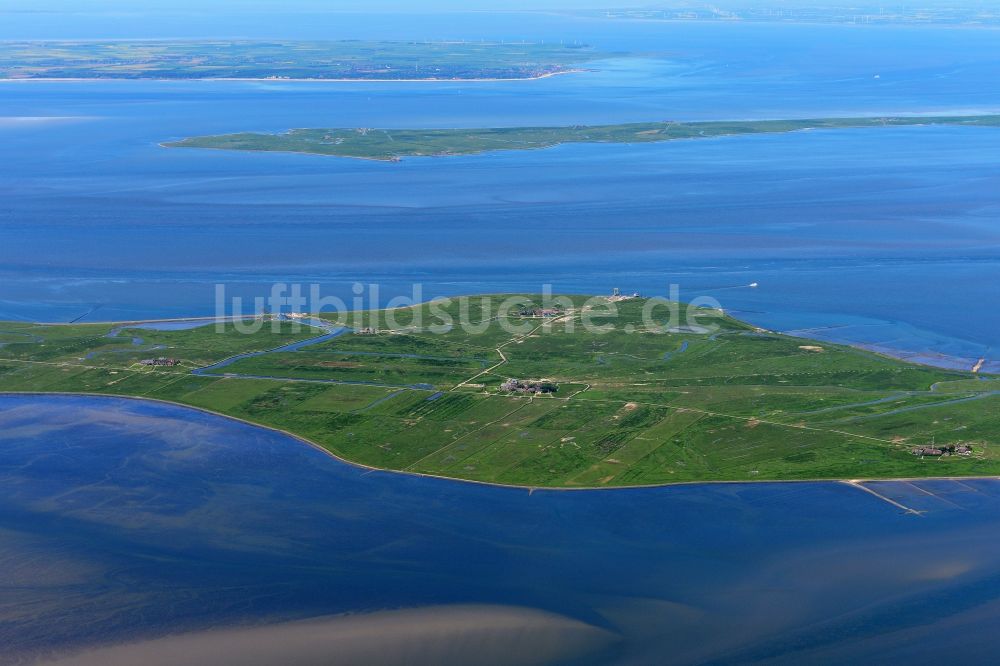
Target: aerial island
346	60
860	12
555	404
395	144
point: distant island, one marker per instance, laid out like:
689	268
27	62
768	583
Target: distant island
530	395
395	144
351	60
863	12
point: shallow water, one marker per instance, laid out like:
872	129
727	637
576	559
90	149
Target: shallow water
127	520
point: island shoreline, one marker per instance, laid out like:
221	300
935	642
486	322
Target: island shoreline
396	144
530	488
312	437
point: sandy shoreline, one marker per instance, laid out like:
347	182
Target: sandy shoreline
97	79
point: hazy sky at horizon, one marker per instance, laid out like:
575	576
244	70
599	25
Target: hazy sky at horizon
306	5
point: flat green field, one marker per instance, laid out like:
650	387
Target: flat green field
395	144
637	403
329	60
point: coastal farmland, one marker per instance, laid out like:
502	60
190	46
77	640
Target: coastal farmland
352	60
632	404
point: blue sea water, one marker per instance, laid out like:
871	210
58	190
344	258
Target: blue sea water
121	520
883	237
126	520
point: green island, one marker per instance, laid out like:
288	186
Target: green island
301	60
395	144
533	395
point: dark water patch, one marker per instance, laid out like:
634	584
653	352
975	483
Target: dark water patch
379	401
333	332
126	520
680	350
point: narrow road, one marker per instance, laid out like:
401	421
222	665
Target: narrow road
516	338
